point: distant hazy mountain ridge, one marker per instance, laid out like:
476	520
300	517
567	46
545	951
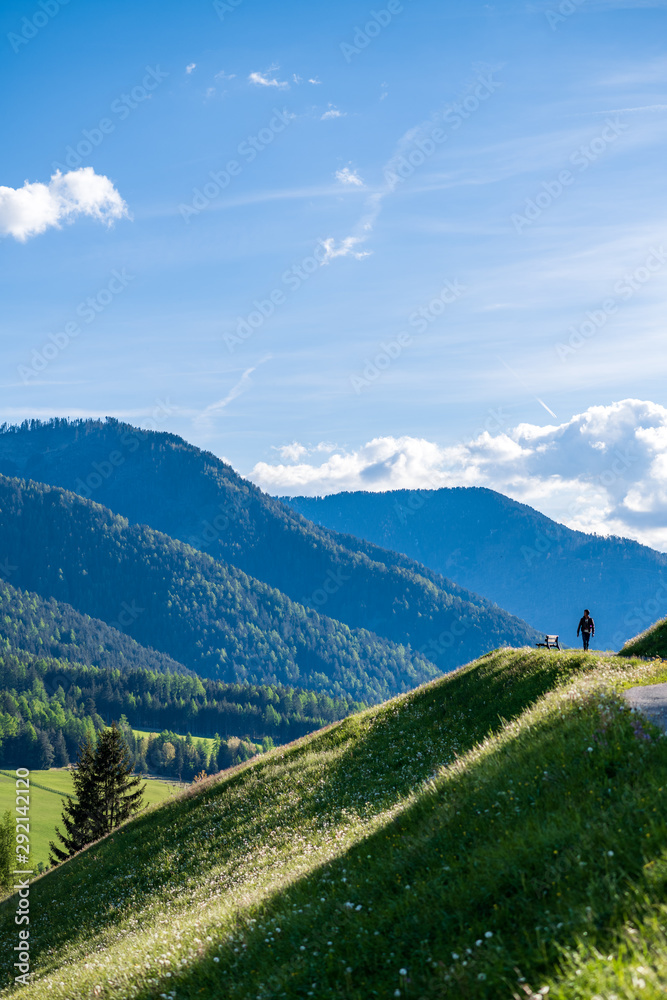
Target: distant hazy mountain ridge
527	563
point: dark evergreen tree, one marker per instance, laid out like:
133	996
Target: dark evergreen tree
120	792
29	745
106	793
225	757
81	816
45	752
60	755
212	766
179	760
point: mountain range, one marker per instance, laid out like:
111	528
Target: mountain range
160	482
208	615
530	565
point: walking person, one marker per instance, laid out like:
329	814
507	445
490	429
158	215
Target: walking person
587	628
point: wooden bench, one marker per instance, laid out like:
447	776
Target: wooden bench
550	642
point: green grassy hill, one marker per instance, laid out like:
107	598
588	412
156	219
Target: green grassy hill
494	833
47	791
650	643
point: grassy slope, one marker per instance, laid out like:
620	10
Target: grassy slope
462	841
651	642
46	803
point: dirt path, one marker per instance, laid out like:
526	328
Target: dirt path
651	700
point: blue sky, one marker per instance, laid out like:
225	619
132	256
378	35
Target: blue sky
499	167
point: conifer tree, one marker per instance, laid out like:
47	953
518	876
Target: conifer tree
106	794
80	816
44	751
121	793
61	757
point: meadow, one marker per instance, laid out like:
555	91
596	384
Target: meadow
500	832
205	742
47	790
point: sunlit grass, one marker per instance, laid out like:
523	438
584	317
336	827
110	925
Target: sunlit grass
491	834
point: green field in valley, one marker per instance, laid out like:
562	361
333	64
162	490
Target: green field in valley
46	803
206	742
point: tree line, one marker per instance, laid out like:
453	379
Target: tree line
49	707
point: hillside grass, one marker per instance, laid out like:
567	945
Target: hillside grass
652	642
47	790
492	834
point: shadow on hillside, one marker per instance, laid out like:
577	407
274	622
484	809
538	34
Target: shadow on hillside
441	720
389	750
514	889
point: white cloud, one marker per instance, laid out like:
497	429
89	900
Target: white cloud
224	76
346	248
264	80
604	471
314	81
350	177
191	67
333	113
35	207
292	452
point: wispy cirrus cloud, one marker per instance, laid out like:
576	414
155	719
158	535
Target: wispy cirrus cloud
415	139
346	248
204	421
265	79
36	207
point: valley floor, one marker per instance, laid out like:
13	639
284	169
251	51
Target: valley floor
500	832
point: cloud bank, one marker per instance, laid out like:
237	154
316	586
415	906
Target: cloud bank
35	207
603	471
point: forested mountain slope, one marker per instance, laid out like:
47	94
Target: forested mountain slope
530	565
159	480
52	628
205	614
